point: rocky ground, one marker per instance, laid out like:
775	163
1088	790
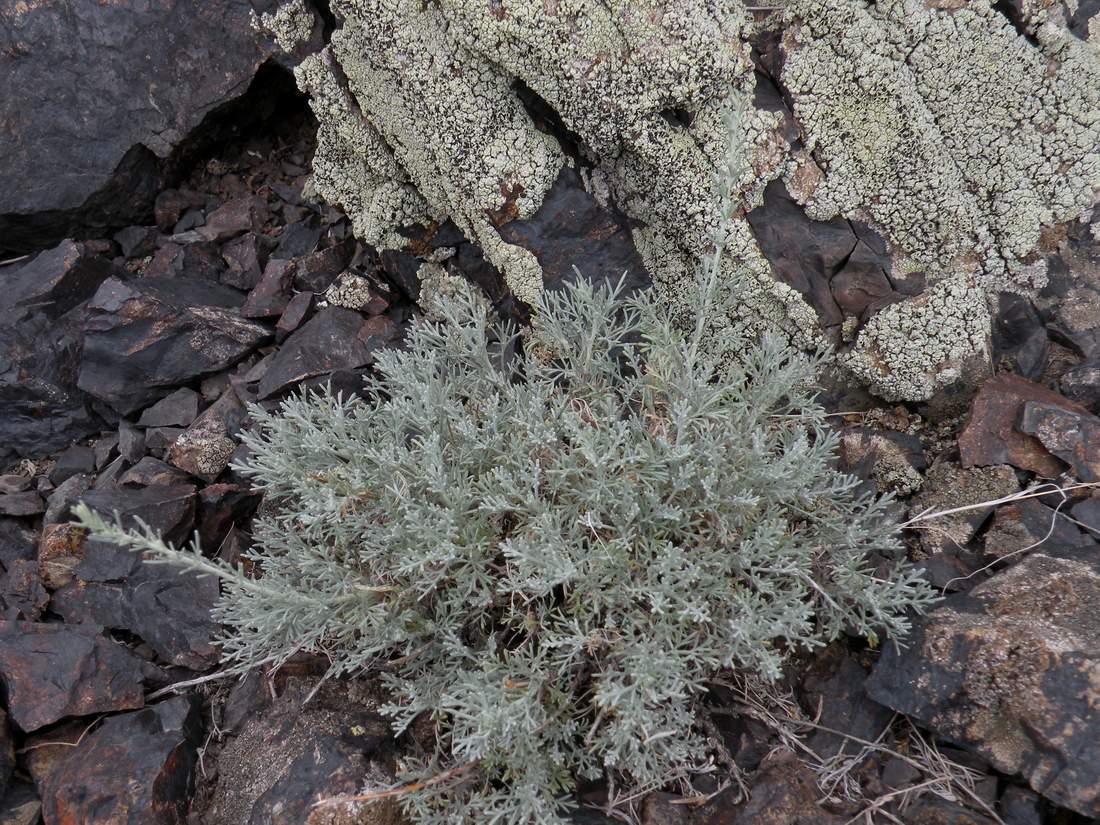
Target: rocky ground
127	359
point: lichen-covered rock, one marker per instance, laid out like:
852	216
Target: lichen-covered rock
936	125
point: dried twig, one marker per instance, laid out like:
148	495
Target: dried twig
449	775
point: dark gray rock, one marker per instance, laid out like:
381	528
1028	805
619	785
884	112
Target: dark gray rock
115	588
177	410
1020	341
52	670
22	595
72	461
22	504
68	493
1082	384
137	241
233	218
571	229
41	338
1071	435
270	296
131	442
144	337
297	309
13	483
316	272
297	239
95	153
245	258
284	758
16	541
152	471
333	339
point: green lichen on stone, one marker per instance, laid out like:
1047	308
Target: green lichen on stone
944	128
291	24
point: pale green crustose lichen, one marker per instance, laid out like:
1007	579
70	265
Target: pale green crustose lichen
952	135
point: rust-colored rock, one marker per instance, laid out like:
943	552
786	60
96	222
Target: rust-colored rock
60	550
990	435
135	769
1011	670
51	671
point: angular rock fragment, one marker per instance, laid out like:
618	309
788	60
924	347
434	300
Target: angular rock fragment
270	296
16	541
152	472
221	508
170	204
168	510
204	448
76	460
116	588
1082	384
316	272
1009	670
282	761
51	671
68	493
136	241
1070	435
297	240
145	336
176	410
14	483
22	595
245	258
333	339
60	551
134	769
22	504
41	407
233	218
295	313
571	229
991	436
55	281
1020	341
1029	524
131	442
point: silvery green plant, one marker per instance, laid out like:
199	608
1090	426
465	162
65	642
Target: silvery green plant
550	555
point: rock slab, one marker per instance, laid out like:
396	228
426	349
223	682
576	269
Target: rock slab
1010	670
